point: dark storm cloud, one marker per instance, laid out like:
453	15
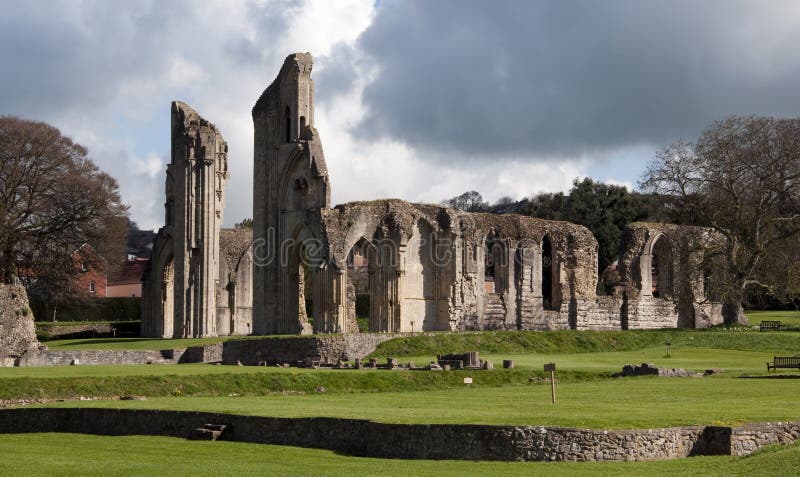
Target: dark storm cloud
63	55
56	55
569	77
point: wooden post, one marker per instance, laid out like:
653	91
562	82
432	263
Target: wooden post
552	368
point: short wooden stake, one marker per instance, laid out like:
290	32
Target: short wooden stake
552	368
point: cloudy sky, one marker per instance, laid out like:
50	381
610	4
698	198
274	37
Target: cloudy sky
415	99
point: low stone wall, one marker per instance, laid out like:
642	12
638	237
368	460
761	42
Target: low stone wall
77	331
411	441
290	349
605	314
194	354
748	439
200	354
652	313
93	357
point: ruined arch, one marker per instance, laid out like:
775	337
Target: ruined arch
361	264
549	270
657	271
491	262
167	297
303	258
419	304
235	287
161	319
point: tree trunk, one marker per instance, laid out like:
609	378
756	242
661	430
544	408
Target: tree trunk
732	311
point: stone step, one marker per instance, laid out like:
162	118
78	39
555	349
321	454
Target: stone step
209	432
215	427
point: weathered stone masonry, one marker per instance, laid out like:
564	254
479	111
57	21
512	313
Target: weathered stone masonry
17	332
414	441
414	267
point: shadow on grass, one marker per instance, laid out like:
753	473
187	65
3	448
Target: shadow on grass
94	341
772	376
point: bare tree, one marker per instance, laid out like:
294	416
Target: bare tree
741	178
53	199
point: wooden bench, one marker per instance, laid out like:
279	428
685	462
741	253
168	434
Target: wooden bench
769	326
784	362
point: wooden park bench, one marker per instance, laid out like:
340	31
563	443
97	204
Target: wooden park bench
784	362
769	325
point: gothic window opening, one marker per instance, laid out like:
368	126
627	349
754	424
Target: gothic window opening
288	128
358	275
661	269
489	265
548	303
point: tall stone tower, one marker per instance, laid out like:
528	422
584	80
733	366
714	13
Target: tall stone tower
199	170
290	186
180	284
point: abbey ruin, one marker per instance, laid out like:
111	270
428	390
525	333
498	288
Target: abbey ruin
307	267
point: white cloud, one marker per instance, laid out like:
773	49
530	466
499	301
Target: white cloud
105	73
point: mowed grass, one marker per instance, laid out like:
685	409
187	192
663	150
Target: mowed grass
70	382
787	318
86	455
623	403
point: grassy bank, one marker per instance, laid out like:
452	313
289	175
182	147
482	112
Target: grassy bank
259	382
624	403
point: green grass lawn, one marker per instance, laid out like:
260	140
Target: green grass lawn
696	359
624	403
71	382
587	397
74	454
787	318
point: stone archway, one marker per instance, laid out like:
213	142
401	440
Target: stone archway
419	306
657	268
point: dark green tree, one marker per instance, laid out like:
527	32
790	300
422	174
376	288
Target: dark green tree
605	209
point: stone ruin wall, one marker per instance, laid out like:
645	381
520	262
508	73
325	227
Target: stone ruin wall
235	284
430	268
415	441
17	331
427	264
683	302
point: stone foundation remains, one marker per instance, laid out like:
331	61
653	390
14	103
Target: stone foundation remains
414	441
325	349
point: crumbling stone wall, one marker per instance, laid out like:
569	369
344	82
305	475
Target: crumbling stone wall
411	441
17	330
428	268
291	349
682	300
235	284
181	286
